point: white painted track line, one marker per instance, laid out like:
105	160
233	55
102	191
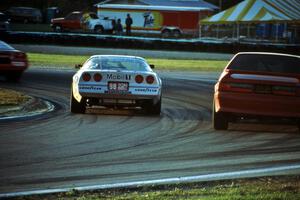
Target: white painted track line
217	176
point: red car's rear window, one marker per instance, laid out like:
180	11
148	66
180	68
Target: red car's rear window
266	63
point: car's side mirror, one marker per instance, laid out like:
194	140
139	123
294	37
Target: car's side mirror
152	66
78	66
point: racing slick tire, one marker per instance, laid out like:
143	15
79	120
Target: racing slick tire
151	108
156	108
219	120
77	107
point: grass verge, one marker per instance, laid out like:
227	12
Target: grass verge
271	188
11	98
69	61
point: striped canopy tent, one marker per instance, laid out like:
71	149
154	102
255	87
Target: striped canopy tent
251	12
257	11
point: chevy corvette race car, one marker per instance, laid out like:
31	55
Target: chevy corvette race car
116	81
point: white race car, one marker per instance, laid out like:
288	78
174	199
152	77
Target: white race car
116	81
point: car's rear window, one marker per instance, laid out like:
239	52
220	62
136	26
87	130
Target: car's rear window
117	63
266	63
5	47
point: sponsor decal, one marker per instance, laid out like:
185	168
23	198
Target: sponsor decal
148	19
145	90
90	88
118	77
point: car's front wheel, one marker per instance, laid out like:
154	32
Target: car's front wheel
219	120
77	107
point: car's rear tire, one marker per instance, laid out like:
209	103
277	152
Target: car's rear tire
156	108
176	34
14	76
57	28
219	119
99	30
77	107
166	33
151	108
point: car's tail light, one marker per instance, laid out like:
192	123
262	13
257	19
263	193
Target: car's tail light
97	77
139	79
284	90
236	87
19	55
86	77
150	79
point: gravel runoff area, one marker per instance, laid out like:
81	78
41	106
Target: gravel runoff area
67	50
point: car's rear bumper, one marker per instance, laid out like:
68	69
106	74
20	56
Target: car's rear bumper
14	66
119	96
257	104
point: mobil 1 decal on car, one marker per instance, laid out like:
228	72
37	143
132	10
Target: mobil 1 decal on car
126	77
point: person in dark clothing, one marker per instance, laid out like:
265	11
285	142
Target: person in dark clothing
128	24
119	27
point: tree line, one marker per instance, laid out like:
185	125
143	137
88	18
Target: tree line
66	6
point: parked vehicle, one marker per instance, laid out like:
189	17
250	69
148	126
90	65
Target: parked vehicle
4	23
165	20
12	62
258	85
115	80
25	14
79	21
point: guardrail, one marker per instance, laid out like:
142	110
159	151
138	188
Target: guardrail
94	40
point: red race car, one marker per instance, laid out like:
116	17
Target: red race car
12	62
258	85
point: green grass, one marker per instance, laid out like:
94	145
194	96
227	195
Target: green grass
55	60
11	98
69	61
283	188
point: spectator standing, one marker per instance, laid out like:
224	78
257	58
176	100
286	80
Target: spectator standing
128	24
119	27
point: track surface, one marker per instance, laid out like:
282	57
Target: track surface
61	149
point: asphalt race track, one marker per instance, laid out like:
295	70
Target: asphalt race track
63	150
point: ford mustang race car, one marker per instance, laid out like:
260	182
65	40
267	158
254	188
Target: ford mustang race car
258	85
12	62
116	81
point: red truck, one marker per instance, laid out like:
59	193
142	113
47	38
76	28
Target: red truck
79	21
165	20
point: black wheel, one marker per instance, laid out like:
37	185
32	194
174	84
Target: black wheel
151	108
14	76
57	28
156	108
99	30
166	33
77	107
219	120
176	34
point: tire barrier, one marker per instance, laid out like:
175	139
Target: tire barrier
113	41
